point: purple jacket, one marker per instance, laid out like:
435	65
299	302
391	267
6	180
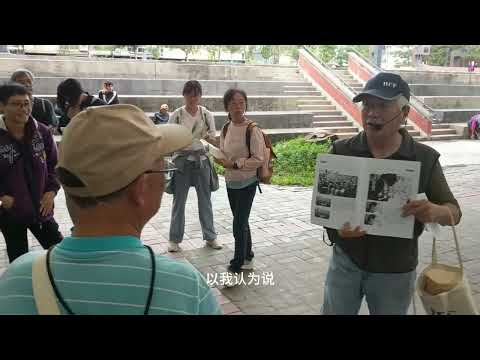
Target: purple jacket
474	122
13	179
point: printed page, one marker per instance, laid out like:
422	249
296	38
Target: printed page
213	150
336	191
390	184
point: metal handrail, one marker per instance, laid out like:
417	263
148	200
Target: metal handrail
331	72
417	103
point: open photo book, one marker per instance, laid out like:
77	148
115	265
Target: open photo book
366	192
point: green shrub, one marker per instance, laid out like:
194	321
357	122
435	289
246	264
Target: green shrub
295	163
296	160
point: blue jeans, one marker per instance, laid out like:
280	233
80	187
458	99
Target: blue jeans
192	175
346	285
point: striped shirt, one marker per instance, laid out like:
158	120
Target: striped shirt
109	276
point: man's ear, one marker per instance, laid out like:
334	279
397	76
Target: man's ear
406	110
137	191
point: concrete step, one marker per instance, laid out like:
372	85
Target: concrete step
329	118
315	107
414	132
317	104
446	137
305	98
151	103
299	87
338	129
346	135
318	107
326	112
352	83
331	123
440	126
301	92
268	119
444	132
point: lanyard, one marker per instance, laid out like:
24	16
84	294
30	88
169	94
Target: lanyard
69	310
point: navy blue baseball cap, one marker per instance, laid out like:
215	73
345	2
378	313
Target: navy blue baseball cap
386	86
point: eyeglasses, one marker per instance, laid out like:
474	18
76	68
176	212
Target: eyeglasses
380	106
19	105
168	171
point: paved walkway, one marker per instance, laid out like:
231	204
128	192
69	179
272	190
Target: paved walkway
288	246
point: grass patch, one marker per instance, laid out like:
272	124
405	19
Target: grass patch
295	163
296	160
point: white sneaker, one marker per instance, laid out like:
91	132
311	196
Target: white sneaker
214	244
247	265
173	247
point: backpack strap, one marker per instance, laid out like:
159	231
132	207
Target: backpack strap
225	128
43	106
248	135
177	119
203	115
45	299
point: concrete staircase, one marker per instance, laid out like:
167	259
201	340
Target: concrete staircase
326	116
439	131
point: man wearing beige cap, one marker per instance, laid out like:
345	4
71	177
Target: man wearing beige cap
112	170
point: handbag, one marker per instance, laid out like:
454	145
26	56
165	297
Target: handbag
445	289
214	185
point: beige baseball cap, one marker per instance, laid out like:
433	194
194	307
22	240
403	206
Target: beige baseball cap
108	147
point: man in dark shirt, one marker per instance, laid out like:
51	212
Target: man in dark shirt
107	94
71	99
42	109
380	268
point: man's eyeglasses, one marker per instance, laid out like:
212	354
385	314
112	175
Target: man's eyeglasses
168	170
380	106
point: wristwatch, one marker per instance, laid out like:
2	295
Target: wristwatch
235	166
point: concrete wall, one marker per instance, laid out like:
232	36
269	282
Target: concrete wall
48	86
428	77
452	102
269	120
273	119
213	103
456	115
445	90
145	69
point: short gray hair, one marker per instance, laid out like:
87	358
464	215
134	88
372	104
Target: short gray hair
21	72
402	102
